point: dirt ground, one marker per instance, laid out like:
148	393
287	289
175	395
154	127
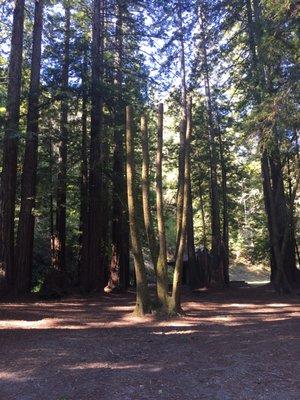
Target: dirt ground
239	344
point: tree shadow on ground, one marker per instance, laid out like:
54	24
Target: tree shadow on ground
230	345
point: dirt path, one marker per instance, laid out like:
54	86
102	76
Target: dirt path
238	345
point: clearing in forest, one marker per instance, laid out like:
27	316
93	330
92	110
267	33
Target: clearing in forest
238	344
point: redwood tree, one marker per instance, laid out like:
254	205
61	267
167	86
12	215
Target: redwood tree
10	143
25	235
94	274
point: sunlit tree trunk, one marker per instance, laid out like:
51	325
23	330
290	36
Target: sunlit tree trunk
148	220
10	144
25	234
142	293
61	206
175	301
161	269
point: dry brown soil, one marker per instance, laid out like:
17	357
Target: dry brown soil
239	344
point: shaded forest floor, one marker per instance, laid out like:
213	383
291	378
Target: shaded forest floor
238	344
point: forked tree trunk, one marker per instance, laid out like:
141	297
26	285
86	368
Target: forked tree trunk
148	221
161	268
10	144
61	206
142	293
25	234
175	301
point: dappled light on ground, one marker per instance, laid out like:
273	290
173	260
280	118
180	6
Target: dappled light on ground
237	344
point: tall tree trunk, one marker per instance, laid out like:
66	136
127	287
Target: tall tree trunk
83	221
161	268
217	273
142	293
194	276
51	205
25	235
175	301
183	123
225	230
119	265
273	185
148	221
61	206
204	229
95	273
10	143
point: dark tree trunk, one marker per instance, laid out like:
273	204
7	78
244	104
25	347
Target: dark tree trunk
10	143
95	273
119	265
83	222
183	123
217	272
194	276
51	205
25	235
225	230
61	206
281	234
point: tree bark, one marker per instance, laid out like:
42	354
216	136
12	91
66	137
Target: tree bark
225	230
148	220
183	123
95	272
161	269
10	143
142	293
51	205
119	265
25	234
273	184
217	273
83	221
175	301
61	206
